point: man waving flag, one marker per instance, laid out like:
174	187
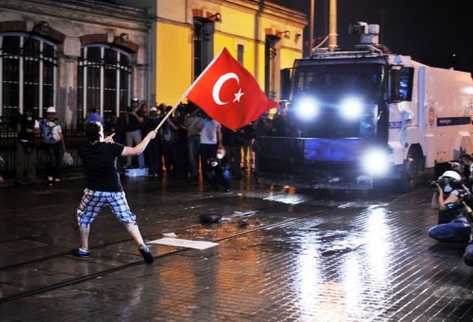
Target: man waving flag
228	93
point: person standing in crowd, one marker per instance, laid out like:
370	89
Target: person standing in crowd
263	127
467	162
133	132
103	187
280	123
27	129
51	133
168	143
210	139
248	133
182	155
2	169
120	128
232	142
152	152
194	124
93	117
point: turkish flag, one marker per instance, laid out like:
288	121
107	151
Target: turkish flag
228	93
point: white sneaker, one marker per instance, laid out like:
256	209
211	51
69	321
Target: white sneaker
50	179
57	180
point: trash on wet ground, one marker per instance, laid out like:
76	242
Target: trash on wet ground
243	222
244	213
286	198
185	243
170	235
211	218
239	216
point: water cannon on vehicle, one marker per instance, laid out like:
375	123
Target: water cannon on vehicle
369	36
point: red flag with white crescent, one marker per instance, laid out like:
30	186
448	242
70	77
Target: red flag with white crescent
228	93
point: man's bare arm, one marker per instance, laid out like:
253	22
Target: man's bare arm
140	147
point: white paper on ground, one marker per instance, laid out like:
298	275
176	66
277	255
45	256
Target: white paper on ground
195	244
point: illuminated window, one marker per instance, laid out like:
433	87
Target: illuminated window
28	73
104	81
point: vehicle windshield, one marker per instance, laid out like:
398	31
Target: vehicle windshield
330	85
333	81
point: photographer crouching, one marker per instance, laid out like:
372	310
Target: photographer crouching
218	173
452	198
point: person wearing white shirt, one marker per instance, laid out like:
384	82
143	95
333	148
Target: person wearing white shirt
51	133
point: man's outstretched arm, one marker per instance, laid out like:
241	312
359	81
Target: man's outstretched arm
140	147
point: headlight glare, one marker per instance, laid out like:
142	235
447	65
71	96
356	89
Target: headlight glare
307	108
351	108
376	162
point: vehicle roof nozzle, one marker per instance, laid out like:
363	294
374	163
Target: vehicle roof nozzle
369	34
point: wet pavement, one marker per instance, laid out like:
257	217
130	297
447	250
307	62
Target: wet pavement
301	257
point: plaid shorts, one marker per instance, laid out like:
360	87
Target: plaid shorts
93	201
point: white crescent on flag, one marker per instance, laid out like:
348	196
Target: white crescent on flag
219	84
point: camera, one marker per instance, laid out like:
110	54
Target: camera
446	181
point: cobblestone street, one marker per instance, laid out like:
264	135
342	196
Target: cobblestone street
302	257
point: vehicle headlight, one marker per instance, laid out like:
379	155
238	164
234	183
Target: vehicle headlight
351	108
307	108
376	162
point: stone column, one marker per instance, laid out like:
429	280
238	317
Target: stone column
67	84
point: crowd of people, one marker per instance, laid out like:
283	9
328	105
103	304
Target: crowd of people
187	144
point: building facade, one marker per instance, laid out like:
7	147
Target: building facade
80	55
263	36
75	55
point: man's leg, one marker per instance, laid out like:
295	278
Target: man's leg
136	137
195	143
84	237
457	230
58	156
135	233
31	167
121	210
235	161
227	180
20	162
50	166
89	207
204	155
192	166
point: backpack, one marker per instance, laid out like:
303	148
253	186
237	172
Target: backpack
47	132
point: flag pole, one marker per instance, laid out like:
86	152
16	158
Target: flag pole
186	93
171	111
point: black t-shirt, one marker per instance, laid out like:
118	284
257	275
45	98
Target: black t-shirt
100	165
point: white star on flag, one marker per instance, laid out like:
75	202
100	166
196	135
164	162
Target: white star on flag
238	96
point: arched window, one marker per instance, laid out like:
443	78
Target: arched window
104	81
28	73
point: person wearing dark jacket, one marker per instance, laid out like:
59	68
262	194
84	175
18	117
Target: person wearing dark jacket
27	129
219	171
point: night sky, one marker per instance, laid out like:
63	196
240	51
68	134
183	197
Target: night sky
431	31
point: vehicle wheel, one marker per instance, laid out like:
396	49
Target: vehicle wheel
413	167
